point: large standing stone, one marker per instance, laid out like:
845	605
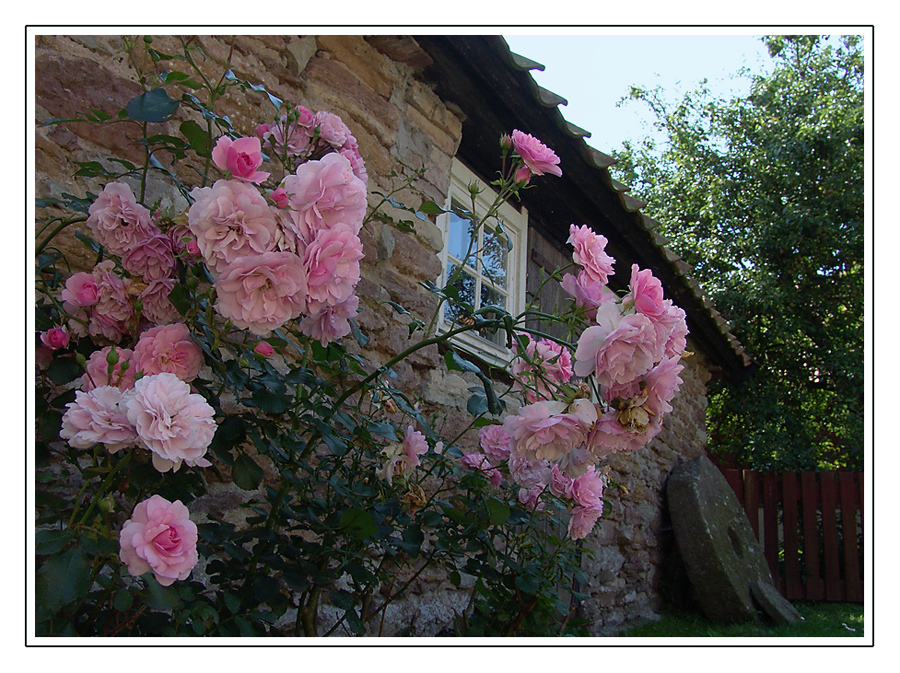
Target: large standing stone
721	554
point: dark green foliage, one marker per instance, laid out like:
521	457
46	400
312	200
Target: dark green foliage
763	196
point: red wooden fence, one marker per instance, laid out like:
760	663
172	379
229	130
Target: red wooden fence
810	525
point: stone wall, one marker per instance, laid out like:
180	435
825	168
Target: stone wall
401	126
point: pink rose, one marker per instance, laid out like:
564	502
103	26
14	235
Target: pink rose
674	318
155	301
324	193
480	463
55	338
590	253
97	370
560	484
160	537
230	219
97	417
112	314
241	157
332	264
587	293
171	421
549	430
538	158
646	293
264	348
280	198
81	290
262	292
550	366
168	348
414	445
494	442
530	498
332	128
117	221
331	322
587	490
583	521
619	350
152	258
291	133
527	473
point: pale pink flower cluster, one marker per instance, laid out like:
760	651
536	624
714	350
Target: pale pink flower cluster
100	303
303	135
630	349
546	366
296	255
168	348
158	412
159	537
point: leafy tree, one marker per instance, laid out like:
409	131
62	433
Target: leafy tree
763	195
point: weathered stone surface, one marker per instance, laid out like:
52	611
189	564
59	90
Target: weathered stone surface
722	556
776	606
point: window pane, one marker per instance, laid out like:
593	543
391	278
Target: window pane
459	235
495	256
465	286
491	297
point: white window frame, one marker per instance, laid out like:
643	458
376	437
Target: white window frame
515	225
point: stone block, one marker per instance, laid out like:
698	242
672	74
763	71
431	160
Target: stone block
722	557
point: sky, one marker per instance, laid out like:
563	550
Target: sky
594	72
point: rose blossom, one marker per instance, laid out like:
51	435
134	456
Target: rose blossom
331	322
262	292
324	193
280	198
587	293
530	498
549	430
55	338
230	219
153	258
332	263
527	473
118	221
560	483
590	253
414	445
113	311
174	423
551	365
81	290
332	128
96	417
264	348
97	370
587	490
494	442
538	158
168	348
646	293
293	136
481	463
583	521
619	349
155	302
241	157
160	537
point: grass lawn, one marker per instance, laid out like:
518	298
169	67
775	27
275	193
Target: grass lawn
822	620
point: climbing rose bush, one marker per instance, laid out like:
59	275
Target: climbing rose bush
218	344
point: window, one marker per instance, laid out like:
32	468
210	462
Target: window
487	267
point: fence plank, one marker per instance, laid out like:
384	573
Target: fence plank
751	500
831	549
770	527
793	583
849	505
815	587
733	477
